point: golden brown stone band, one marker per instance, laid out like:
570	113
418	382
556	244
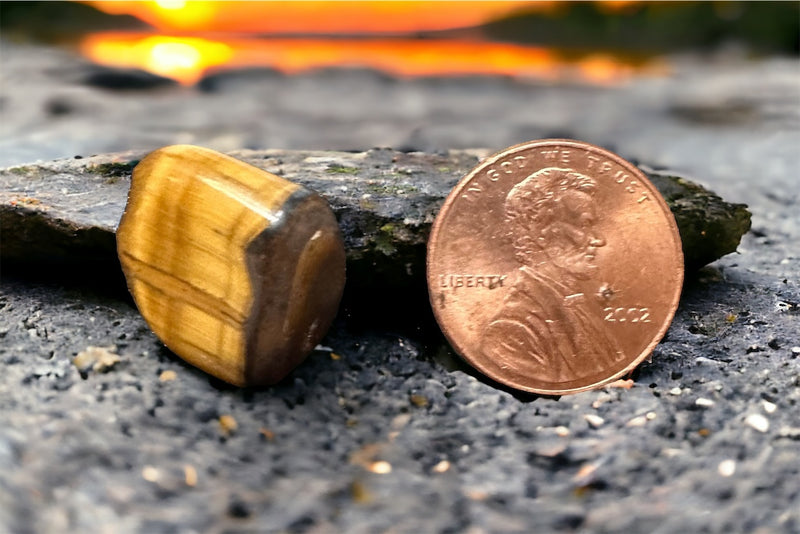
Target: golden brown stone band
236	270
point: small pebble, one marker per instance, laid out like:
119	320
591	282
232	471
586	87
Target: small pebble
561	431
441	467
99	359
476	495
727	468
551	449
757	422
168	376
637	421
594	420
796	351
675	391
602	398
621	383
769	407
381	467
228	424
150	473
585	473
190	475
705	403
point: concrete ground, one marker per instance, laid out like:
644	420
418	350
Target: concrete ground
383	429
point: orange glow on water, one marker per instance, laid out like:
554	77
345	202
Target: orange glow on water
182	58
187	59
182	54
319	17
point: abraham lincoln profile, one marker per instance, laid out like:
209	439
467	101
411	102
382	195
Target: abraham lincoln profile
547	328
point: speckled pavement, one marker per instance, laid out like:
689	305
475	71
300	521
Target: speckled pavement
383	429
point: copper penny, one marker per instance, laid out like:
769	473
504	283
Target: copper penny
554	267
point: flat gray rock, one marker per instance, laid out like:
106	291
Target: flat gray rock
385	201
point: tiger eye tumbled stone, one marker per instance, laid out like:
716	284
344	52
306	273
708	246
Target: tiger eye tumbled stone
237	271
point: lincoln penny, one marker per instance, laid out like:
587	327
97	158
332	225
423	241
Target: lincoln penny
554	267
